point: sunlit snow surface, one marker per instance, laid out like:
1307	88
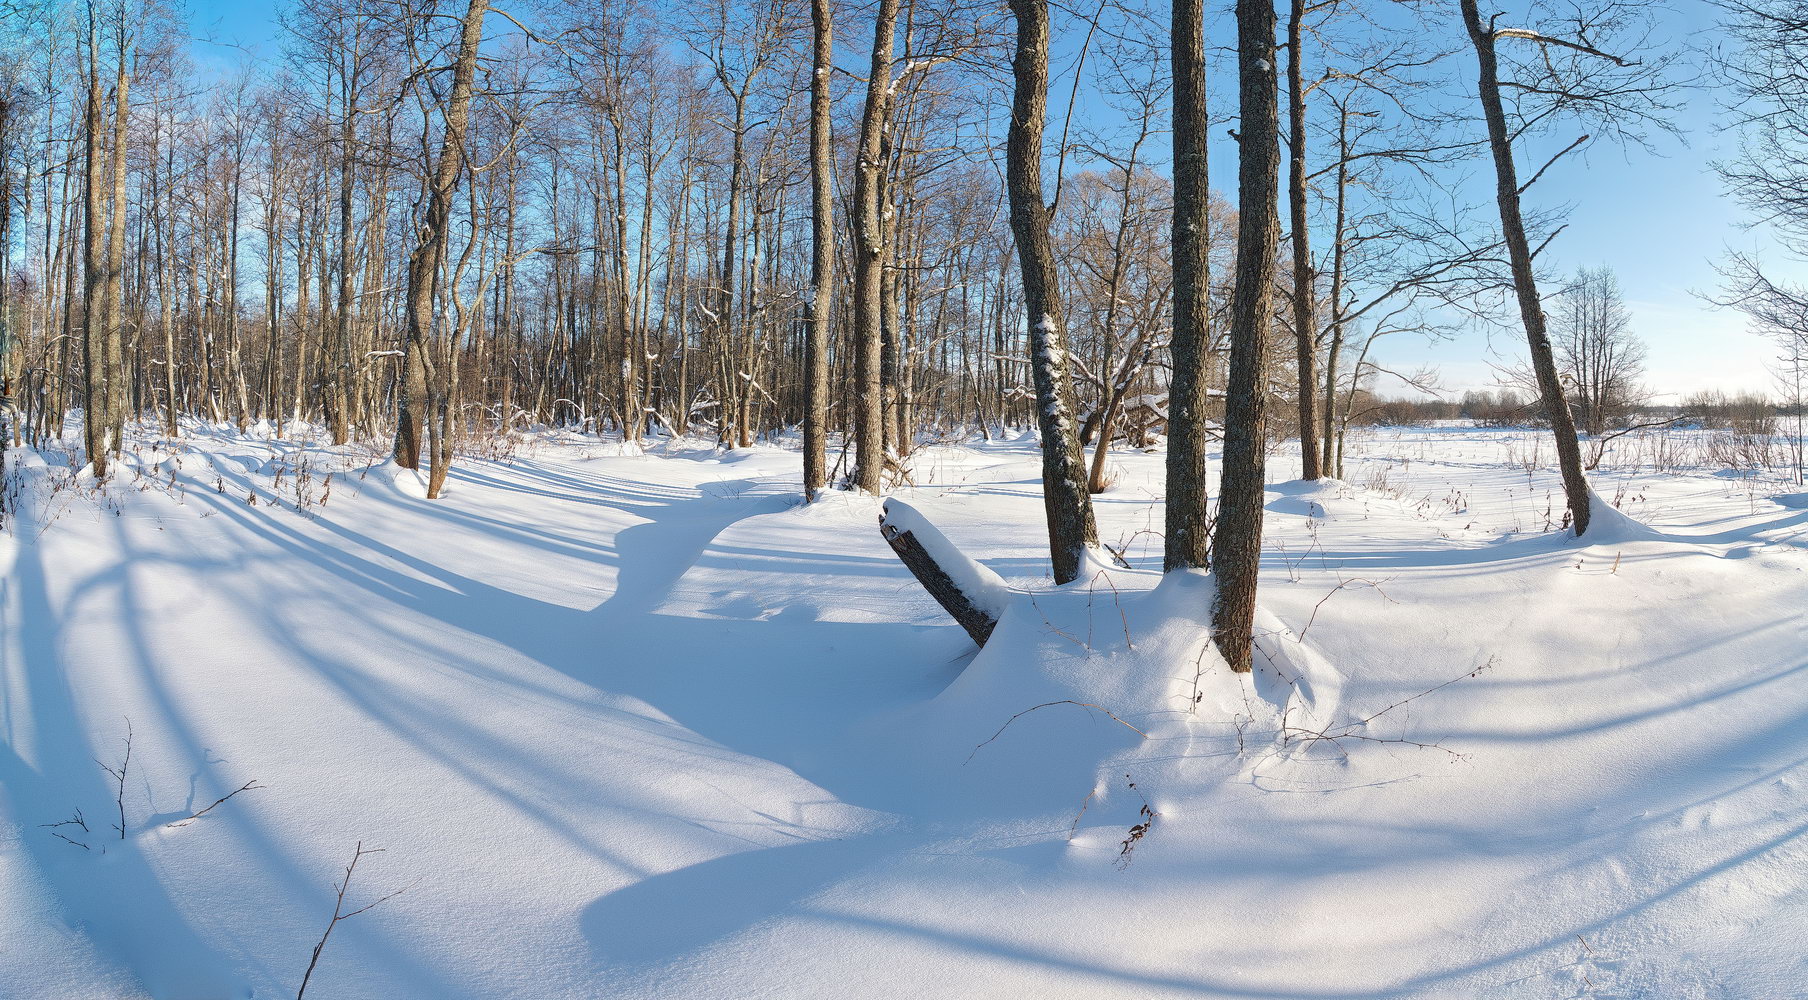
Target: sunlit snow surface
641	725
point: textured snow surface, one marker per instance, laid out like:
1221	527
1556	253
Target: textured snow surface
643	725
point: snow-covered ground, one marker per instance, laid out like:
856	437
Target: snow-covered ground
638	726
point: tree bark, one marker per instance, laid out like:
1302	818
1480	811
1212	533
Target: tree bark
1525	284
336	352
1187	541
960	588
1305	332
822	255
96	366
113	320
869	259
426	261
1237	549
1331	460
1071	529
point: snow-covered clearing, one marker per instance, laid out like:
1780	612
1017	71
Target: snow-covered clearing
643	726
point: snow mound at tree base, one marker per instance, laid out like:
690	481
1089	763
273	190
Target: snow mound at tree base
1608	525
1110	675
403	480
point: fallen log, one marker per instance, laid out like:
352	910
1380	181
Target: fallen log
972	594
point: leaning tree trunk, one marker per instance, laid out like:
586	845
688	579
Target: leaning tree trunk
973	595
424	268
1187	540
1071	529
822	256
1237	549
1305	332
1525	283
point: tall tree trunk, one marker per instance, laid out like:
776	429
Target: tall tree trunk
1525	283
335	354
822	255
869	259
112	321
8	413
1071	529
890	333
623	300
1331	459
729	407
1237	549
234	355
95	368
1305	326
1187	542
166	292
425	263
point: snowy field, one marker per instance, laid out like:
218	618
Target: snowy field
638	726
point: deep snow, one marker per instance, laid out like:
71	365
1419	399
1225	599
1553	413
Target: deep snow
643	725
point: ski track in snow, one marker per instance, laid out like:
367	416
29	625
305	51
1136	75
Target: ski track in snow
644	726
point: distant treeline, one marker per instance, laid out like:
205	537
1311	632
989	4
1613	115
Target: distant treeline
1744	412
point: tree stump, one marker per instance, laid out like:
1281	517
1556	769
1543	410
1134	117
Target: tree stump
971	594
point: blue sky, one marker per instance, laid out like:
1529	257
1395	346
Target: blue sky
1659	220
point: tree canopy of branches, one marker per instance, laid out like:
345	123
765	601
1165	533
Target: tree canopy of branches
436	222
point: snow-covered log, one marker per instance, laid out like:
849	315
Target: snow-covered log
974	595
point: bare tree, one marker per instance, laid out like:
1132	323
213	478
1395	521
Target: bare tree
1600	357
1768	175
104	243
871	162
1237	545
425	264
1768	105
12	121
1567	73
1065	500
741	42
1304	293
1113	240
1187	541
340	42
821	302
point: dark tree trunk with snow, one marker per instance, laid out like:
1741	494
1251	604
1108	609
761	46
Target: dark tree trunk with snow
822	256
1237	549
1071	529
1187	543
869	259
1305	328
1525	283
956	584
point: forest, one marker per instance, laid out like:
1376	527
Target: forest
794	497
